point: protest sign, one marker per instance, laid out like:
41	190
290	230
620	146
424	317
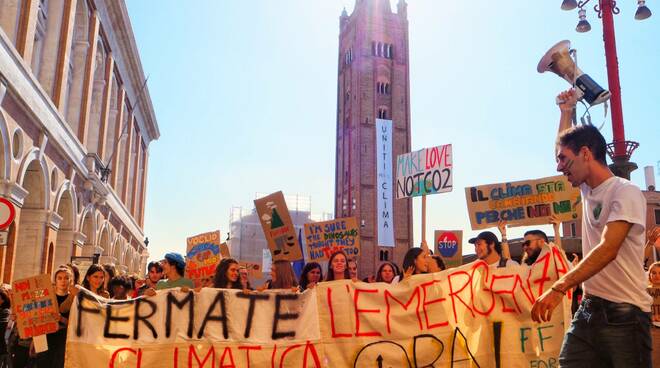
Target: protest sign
449	245
325	238
384	187
278	227
527	202
202	257
254	269
35	305
224	250
472	315
427	171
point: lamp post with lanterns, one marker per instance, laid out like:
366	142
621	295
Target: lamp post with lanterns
620	149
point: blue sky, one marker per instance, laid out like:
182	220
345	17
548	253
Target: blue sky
245	97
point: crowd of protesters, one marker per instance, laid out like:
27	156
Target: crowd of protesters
611	248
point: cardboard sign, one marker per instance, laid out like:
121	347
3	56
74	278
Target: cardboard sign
655	308
202	256
449	245
325	238
527	202
278	227
35	305
427	171
224	250
254	269
474	315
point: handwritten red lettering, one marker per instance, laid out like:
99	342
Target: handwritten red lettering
426	303
358	311
405	306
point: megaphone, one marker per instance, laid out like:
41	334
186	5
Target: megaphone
559	61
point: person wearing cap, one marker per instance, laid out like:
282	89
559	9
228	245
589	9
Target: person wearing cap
489	250
174	267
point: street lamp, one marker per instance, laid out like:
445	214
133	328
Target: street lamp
620	149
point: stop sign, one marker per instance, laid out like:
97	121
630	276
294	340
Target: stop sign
447	244
7	213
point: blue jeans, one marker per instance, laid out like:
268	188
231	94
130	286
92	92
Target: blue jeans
607	334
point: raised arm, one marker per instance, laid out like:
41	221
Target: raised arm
556	224
506	252
567	109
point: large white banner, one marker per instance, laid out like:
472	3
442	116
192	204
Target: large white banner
470	316
384	182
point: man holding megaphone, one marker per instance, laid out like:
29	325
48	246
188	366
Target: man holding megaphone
612	326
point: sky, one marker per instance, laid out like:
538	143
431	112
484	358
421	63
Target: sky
245	98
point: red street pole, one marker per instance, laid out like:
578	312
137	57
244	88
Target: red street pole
618	132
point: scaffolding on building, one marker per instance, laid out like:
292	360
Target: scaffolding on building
246	237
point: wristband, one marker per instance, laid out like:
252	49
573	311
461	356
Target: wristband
556	289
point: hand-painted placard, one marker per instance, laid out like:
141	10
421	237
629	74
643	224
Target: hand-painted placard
325	238
527	202
449	245
224	250
202	256
427	171
278	227
35	305
473	315
254	269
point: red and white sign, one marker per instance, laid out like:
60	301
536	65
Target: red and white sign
7	213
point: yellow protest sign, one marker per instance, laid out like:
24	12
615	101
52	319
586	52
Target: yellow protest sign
202	257
527	202
327	237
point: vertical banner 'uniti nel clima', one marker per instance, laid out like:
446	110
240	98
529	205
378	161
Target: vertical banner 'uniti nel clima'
384	182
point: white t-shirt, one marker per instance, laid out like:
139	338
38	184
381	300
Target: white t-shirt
509	262
623	280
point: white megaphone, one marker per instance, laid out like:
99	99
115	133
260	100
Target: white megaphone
559	61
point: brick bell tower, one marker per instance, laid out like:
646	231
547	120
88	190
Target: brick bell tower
373	127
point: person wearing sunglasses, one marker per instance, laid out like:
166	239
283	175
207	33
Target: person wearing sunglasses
532	245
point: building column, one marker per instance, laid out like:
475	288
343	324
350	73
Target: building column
61	73
68	242
143	195
88	86
117	144
9	18
105	108
56	21
136	179
27	28
127	166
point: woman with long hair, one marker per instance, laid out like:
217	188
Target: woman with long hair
338	267
94	280
282	276
415	262
54	356
311	275
226	275
387	273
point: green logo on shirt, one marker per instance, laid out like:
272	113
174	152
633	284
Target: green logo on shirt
597	210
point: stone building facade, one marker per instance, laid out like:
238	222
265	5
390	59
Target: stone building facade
373	83
76	121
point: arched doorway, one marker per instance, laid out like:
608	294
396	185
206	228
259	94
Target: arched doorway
32	223
64	249
104	242
88	230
